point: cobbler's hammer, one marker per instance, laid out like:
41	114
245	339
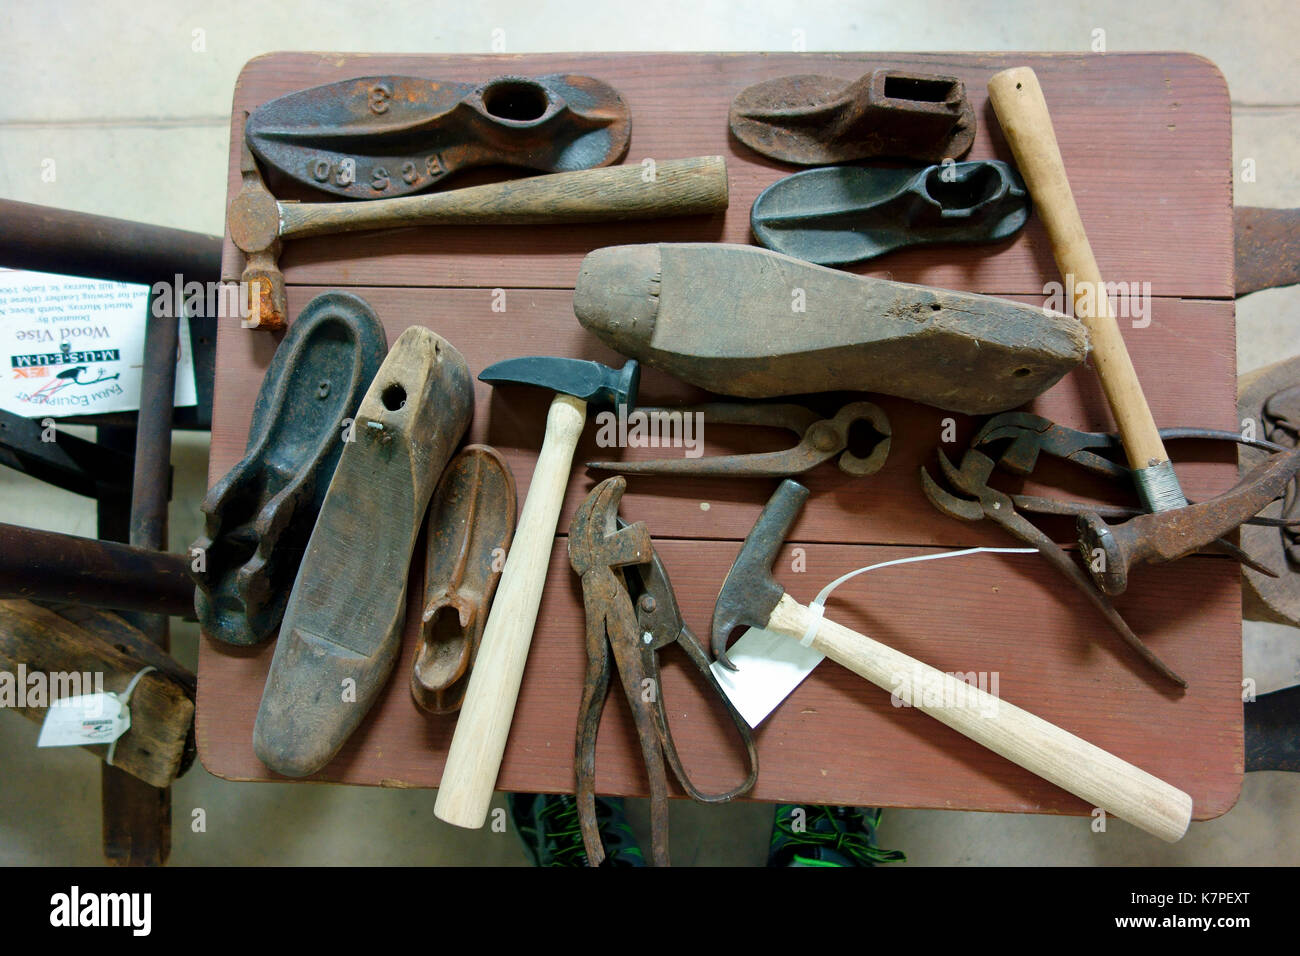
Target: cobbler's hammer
1022	111
479	742
751	597
259	223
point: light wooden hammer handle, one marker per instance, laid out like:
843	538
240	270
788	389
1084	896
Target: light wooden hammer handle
1087	771
479	741
1022	112
670	187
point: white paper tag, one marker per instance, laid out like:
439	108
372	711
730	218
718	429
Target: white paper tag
770	666
74	346
85	719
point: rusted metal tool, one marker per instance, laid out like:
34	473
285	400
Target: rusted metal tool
1267	246
259	224
259	516
820	439
972	479
751	597
1270	398
1018	102
477	747
378	137
1027	436
468	531
844	214
1170	535
342	629
632	613
757	324
815	120
1031	434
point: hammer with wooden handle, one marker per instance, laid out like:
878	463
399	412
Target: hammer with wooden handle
479	742
258	223
751	597
1021	110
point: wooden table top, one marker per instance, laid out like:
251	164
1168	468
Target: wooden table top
1146	141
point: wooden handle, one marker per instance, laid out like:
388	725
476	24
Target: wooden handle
1088	772
672	187
1021	110
480	738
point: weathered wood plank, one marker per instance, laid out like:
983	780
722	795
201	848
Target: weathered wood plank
46	644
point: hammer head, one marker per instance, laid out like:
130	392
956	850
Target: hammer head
591	381
750	593
254	224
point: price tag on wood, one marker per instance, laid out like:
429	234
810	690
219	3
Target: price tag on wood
85	719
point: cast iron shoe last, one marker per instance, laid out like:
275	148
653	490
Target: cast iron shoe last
379	137
257	519
844	214
342	628
470	525
815	120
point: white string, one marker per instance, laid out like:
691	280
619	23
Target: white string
125	699
817	609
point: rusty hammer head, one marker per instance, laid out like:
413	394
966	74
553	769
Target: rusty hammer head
590	381
254	224
1111	551
750	593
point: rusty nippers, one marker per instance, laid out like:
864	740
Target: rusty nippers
820	439
631	611
972	479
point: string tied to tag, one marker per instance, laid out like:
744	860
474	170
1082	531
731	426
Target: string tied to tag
817	607
125	700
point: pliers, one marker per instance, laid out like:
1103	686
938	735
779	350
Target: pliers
820	439
972	478
632	612
1032	434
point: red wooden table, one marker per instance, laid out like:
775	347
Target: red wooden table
1146	140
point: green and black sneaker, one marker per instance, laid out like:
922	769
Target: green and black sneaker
548	825
827	836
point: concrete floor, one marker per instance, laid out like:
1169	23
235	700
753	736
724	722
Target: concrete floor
131	101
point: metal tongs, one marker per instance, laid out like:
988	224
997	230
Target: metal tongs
631	610
820	439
